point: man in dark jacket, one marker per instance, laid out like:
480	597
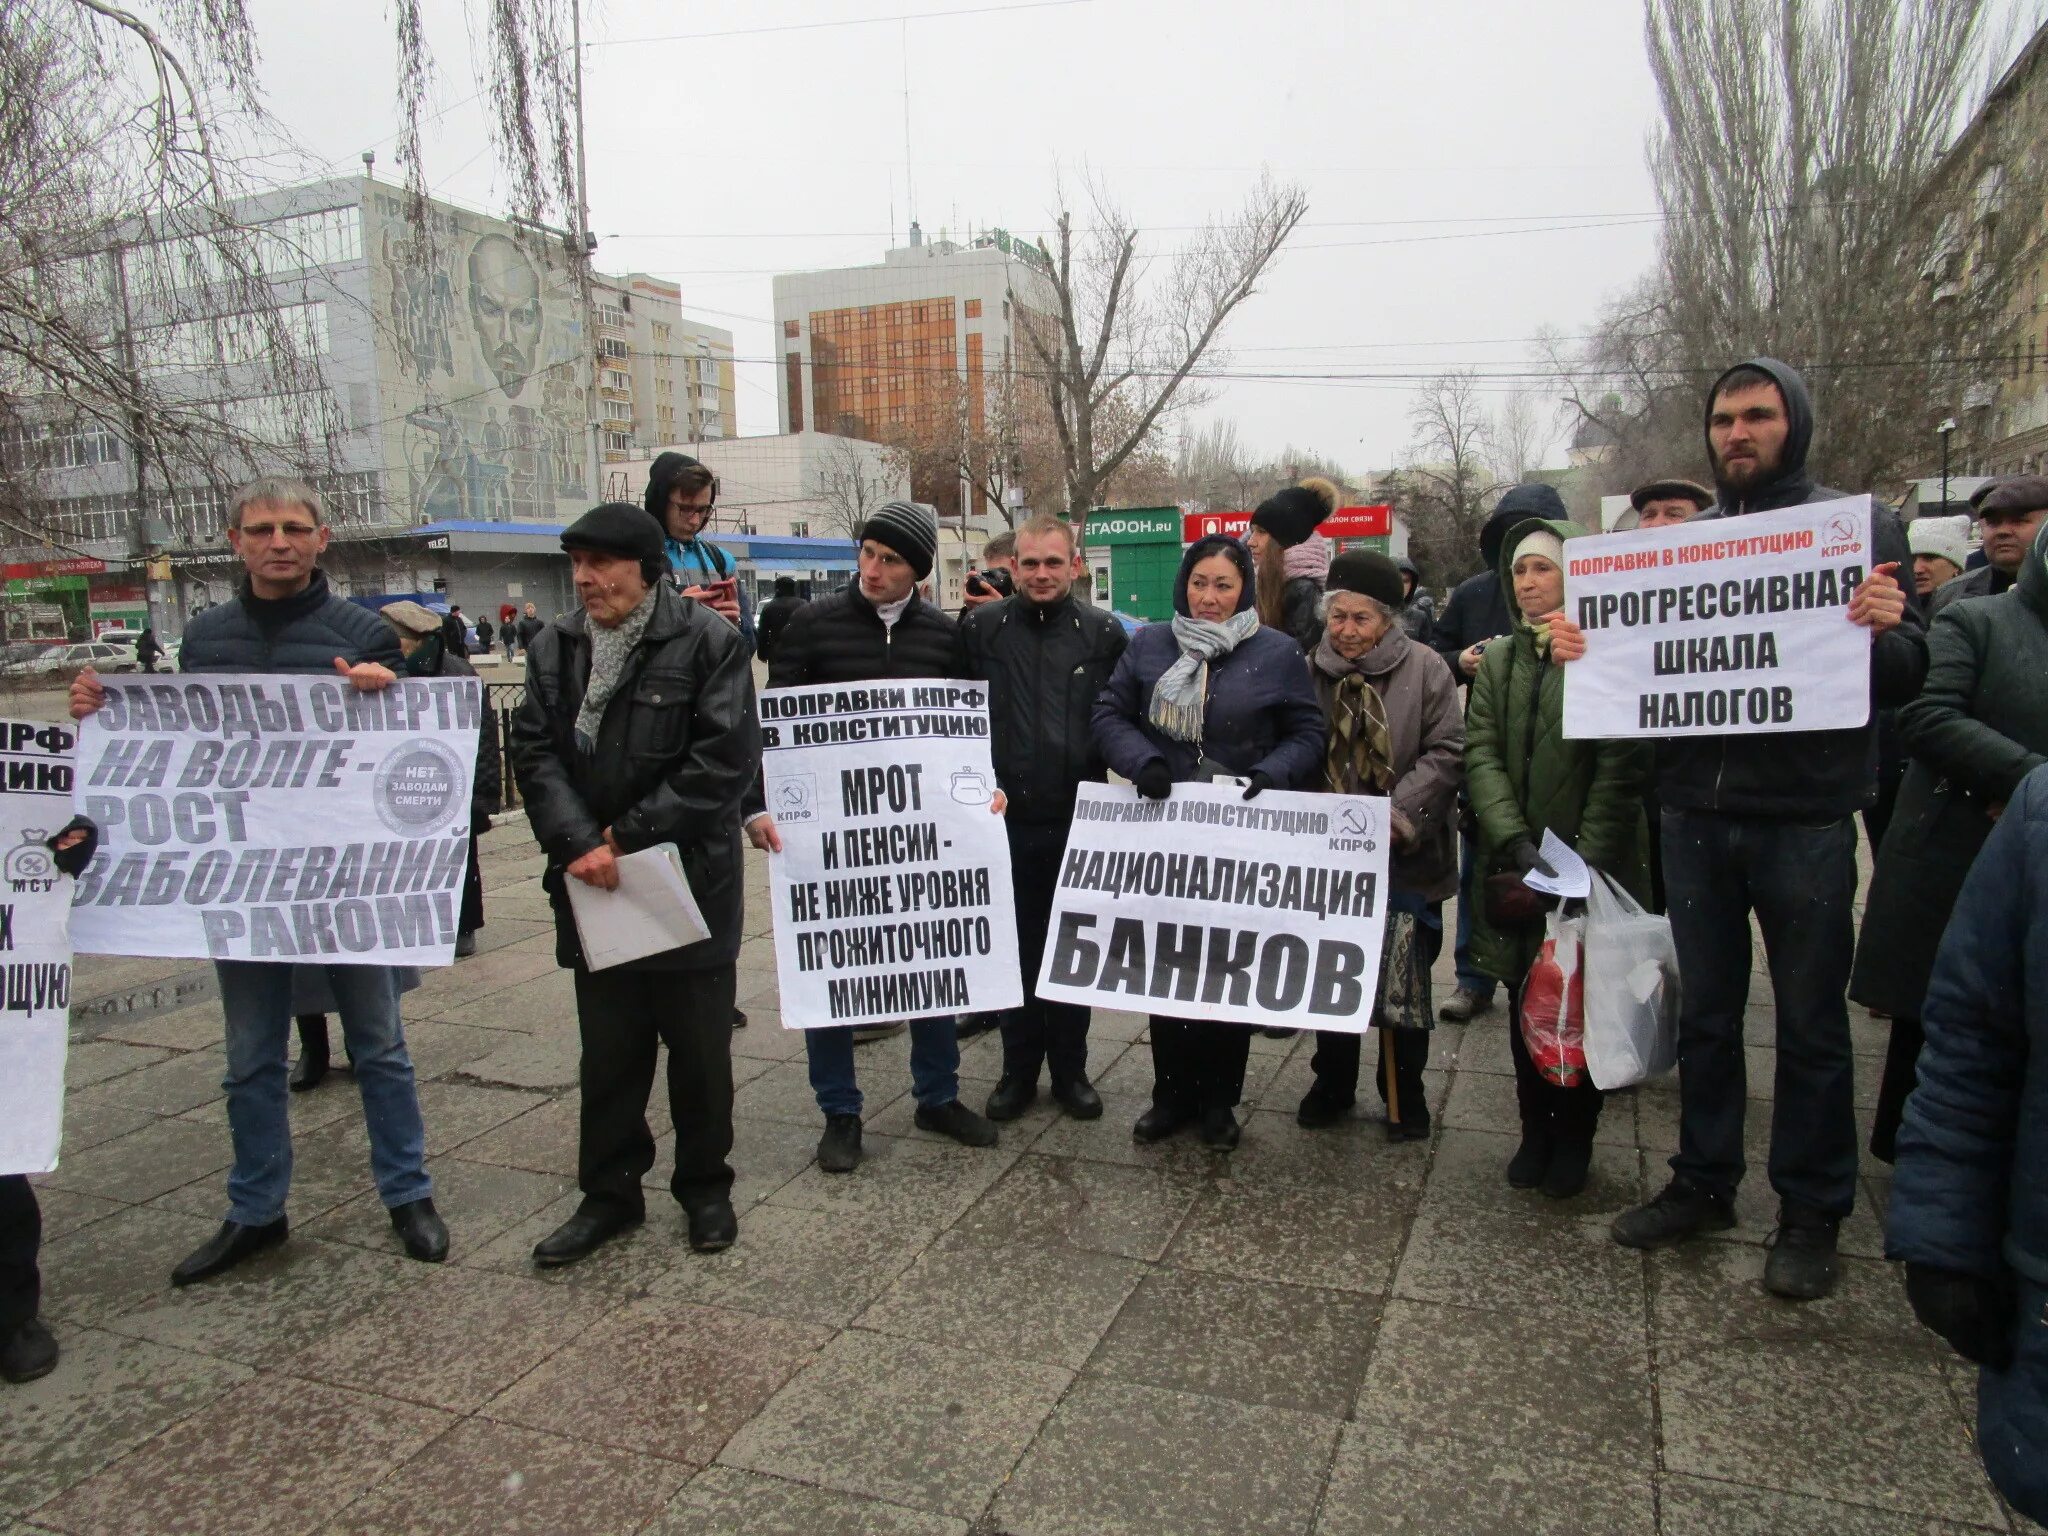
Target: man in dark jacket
1477	612
775	617
1045	657
639	729
1417	613
1764	824
877	627
455	632
285	619
1969	1205
2009	513
528	625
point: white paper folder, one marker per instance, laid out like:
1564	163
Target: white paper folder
652	910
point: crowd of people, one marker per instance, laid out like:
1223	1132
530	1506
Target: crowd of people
1286	666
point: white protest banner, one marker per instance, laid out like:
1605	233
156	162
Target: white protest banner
1725	627
892	891
1211	906
277	817
35	911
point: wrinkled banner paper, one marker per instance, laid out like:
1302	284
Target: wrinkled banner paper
1211	906
277	818
1726	627
35	947
892	891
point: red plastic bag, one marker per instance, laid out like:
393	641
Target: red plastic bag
1554	1002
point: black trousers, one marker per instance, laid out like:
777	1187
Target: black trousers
1197	1064
1901	1074
623	1016
1335	1065
1565	1114
1039	1033
21	1239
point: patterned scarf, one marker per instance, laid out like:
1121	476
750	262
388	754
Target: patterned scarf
1360	757
609	649
1181	695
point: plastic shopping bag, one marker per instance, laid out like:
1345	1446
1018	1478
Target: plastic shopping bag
1554	1002
1631	989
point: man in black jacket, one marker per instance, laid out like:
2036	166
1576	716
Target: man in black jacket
2009	513
875	628
455	632
285	619
775	616
1477	612
1045	658
639	729
1764	824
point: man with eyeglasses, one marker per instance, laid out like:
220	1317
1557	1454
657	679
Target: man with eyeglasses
285	618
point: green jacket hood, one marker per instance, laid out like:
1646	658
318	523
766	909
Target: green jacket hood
1506	566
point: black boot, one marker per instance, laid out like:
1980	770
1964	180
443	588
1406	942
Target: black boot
1532	1158
420	1228
1802	1265
31	1353
1014	1094
595	1223
465	943
1319	1109
1161	1120
839	1147
312	1064
1570	1163
1218	1129
1077	1096
713	1226
227	1248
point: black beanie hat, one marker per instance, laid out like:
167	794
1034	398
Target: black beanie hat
1290	516
617	528
1369	574
909	528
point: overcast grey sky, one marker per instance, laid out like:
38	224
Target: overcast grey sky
1436	142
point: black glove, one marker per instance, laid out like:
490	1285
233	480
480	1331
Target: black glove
1255	781
1154	780
72	861
1526	858
1973	1314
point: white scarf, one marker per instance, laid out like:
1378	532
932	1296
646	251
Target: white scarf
1181	695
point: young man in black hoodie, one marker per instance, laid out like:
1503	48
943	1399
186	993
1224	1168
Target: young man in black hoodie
1766	824
1476	612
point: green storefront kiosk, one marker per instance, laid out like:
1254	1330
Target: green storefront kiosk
1134	554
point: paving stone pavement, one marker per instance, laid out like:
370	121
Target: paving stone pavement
1068	1335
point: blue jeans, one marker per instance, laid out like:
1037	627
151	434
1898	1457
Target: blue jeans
934	1065
257	998
1470	977
1799	879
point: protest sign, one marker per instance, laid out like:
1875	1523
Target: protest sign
277	818
35	946
1724	627
1211	906
892	891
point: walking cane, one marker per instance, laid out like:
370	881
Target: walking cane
1393	1082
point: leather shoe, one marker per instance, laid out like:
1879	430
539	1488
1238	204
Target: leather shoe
227	1248
595	1223
1014	1094
420	1227
1318	1110
955	1120
1077	1096
713	1226
1161	1121
31	1353
839	1147
1218	1129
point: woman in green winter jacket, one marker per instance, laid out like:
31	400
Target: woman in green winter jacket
1524	778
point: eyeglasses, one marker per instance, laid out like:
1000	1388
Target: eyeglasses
264	531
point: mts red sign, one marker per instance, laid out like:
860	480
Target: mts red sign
81	565
1344	523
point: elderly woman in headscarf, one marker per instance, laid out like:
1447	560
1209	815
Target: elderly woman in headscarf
1395	730
1212	695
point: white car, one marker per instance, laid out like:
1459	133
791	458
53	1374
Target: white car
67	660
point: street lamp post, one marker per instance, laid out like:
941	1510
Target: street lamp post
1947	428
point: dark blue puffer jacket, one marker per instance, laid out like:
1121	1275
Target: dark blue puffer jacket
1971	1191
301	633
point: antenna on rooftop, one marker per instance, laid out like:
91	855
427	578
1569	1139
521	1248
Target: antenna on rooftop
909	187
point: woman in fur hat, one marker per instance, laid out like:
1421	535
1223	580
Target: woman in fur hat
1293	559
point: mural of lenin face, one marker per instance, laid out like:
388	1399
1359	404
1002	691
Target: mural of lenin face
504	306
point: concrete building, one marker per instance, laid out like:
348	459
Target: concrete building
879	351
449	380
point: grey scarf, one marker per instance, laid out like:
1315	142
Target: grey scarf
609	649
1181	695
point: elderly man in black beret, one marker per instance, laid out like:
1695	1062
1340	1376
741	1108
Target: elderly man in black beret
639	729
2009	513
